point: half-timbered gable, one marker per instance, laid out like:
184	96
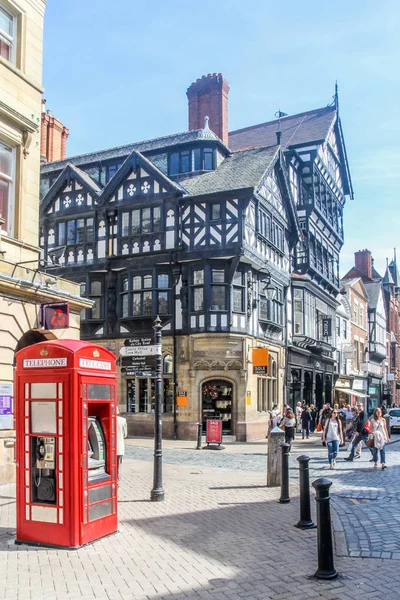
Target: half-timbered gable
68	219
144	201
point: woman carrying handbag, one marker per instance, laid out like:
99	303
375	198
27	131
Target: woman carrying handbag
333	436
380	438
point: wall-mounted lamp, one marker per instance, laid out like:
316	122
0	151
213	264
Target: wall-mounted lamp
50	282
269	290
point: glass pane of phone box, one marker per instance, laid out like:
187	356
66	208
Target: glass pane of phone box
96	451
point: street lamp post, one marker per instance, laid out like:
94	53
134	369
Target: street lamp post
157	493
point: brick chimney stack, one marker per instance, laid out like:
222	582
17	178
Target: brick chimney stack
363	262
208	96
53	137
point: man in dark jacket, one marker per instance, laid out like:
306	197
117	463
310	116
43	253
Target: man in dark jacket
305	418
362	433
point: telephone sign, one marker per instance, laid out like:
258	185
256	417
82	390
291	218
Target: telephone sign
55	316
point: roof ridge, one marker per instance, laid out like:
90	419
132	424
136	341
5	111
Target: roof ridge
113	148
253	148
307	112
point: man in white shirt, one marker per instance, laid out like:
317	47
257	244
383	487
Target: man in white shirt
122	433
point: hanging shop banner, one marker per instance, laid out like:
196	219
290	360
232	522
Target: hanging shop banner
55	316
260	361
327	327
214	431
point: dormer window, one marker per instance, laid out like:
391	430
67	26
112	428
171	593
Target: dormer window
188	161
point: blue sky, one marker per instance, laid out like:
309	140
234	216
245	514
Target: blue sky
116	73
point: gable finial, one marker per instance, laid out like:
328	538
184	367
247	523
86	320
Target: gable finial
279	114
206	131
336	96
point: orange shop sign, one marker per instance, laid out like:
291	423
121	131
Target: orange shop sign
260	361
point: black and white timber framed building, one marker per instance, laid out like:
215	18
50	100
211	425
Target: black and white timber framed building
193	230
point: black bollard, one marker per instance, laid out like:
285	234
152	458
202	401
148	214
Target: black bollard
199	434
284	499
305	507
325	570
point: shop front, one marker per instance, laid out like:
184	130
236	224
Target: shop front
217	403
351	390
310	378
374	393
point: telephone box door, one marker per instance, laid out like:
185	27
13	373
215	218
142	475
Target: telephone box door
43	403
99	456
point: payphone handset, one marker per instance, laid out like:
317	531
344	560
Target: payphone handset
45	452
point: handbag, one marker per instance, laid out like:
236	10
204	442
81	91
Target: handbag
370	441
319	427
367	427
282	426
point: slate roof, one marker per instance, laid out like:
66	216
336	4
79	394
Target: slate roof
303	128
388	279
373	291
124	151
240	170
86	178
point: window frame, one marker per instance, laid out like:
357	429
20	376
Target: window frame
10	179
155	223
10	41
205	153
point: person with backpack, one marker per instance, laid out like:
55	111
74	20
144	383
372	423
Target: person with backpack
361	431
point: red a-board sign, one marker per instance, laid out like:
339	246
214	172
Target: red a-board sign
214	431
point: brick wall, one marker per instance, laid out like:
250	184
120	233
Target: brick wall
208	96
53	138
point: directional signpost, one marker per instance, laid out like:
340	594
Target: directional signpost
142	357
139	356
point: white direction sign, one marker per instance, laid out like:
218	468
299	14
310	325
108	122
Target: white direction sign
154	350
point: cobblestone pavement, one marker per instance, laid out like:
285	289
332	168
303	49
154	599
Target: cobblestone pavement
358	492
220	534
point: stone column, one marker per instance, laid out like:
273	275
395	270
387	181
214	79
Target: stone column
276	437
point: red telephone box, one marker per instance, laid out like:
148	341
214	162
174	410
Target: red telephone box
66	426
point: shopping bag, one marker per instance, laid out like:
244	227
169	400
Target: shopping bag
319	427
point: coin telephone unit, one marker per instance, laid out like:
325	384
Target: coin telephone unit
43	450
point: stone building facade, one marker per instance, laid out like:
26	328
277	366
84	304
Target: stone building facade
23	285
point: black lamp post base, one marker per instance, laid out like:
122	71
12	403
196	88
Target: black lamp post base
306	525
326	574
284	500
157	495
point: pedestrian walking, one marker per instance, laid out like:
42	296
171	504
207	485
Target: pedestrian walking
380	438
325	414
122	433
362	433
349	414
289	422
313	422
305	422
276	415
333	437
351	433
299	410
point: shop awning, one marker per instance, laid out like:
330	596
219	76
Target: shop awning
352	392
